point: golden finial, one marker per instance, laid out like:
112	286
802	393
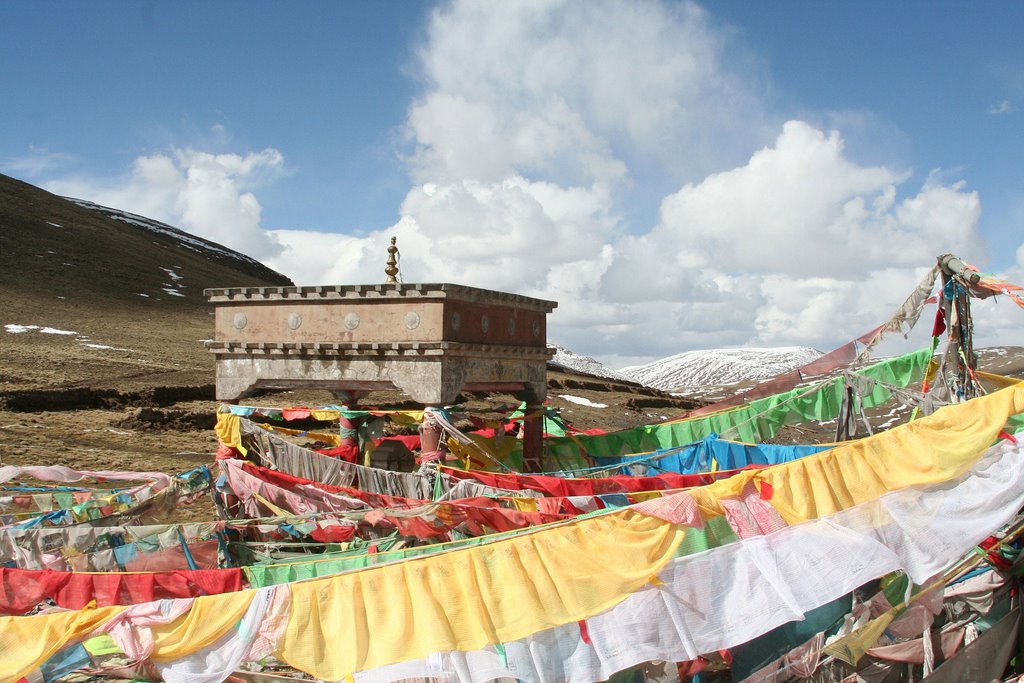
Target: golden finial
393	258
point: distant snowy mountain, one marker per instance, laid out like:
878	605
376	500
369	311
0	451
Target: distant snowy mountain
715	367
574	361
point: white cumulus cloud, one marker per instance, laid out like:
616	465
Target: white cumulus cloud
210	195
810	247
1000	107
576	91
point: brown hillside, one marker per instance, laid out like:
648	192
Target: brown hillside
70	268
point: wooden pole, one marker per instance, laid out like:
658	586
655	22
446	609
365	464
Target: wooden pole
533	437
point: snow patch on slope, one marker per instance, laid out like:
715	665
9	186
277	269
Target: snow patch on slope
713	367
14	328
581	401
578	363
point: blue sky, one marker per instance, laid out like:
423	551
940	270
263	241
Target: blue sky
676	175
326	83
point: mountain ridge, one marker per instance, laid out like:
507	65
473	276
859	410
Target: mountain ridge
703	368
187	239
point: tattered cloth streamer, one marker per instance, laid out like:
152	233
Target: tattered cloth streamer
67	475
426	520
562	486
1000	287
853	647
905	317
21	590
724	596
303	462
902	320
753	422
513	592
51	548
322	413
862	385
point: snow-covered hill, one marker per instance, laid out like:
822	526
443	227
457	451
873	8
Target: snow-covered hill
579	363
715	367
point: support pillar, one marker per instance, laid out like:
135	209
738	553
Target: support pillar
533	437
431	436
348	428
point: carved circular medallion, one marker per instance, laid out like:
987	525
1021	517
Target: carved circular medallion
294	321
485	323
351	321
412	320
536	328
240	321
456	321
